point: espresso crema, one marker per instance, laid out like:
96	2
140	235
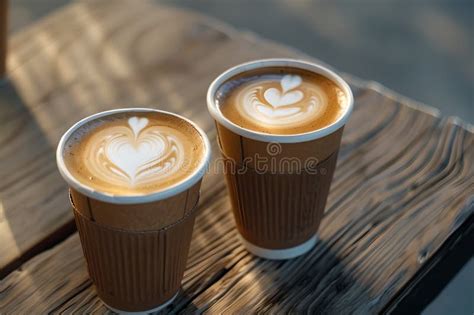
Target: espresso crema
133	153
281	100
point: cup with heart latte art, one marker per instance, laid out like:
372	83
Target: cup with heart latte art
134	176
279	124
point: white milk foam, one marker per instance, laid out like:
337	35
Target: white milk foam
134	155
283	106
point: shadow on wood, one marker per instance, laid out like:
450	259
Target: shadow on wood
31	191
311	283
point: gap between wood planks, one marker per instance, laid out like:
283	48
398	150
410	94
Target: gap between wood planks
45	244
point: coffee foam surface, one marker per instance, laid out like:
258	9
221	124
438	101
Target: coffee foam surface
133	153
281	100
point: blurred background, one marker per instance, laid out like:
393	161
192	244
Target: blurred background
421	49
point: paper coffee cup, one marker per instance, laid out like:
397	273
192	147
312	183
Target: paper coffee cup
136	271
278	184
135	246
139	216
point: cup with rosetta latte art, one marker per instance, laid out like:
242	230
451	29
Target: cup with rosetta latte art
134	178
279	125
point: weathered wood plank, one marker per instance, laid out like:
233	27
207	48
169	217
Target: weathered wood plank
403	186
3	36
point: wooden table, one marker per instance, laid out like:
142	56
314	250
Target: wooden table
399	219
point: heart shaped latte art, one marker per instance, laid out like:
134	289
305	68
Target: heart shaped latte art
135	154
287	105
277	99
137	124
130	158
289	82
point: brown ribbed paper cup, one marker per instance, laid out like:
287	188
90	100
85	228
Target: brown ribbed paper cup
139	216
278	208
136	246
278	184
135	271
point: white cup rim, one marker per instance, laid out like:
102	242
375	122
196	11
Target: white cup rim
172	190
279	62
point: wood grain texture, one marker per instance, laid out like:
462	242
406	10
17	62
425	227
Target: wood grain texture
402	189
3	36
